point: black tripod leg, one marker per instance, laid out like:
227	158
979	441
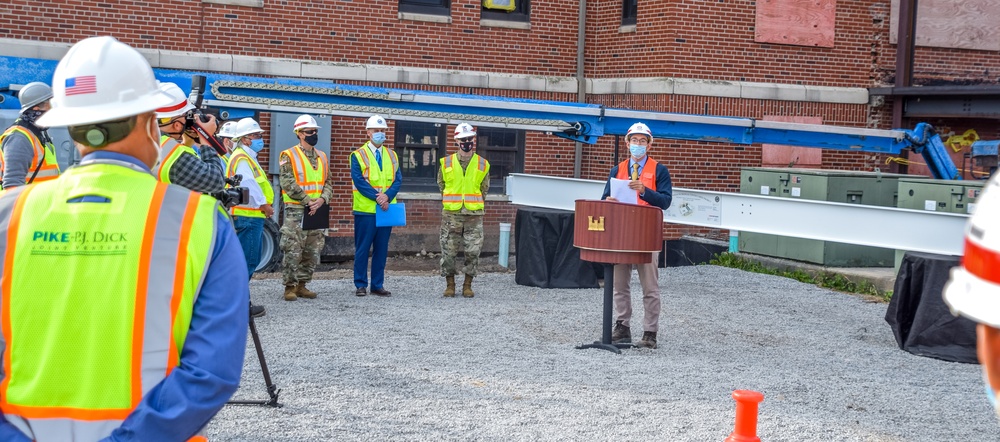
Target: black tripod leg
272	390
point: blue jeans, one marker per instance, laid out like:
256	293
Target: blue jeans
249	230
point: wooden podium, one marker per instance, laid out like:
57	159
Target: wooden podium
611	233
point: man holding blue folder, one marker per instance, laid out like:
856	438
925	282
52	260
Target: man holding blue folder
464	180
376	179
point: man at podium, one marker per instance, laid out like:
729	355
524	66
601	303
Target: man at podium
651	182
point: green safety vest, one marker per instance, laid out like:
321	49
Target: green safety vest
50	165
380	178
463	187
310	179
258	175
82	349
170	151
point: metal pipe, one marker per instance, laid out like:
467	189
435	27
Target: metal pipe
581	81
905	43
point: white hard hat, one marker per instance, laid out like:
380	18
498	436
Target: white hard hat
102	79
180	104
464	130
376	122
974	288
228	130
639	128
305	122
246	127
33	94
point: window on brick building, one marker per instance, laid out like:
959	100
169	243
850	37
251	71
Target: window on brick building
434	7
521	12
504	149
630	9
418	146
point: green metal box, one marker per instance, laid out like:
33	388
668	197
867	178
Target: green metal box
869	188
951	196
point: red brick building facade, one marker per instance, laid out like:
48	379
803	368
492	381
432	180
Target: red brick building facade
765	59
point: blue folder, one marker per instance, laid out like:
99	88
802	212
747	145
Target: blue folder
395	216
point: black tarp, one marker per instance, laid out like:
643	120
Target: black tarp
545	253
920	319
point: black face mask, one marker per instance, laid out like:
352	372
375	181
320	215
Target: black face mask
466	146
31	115
312	139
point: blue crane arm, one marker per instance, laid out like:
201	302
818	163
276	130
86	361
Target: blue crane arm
239	96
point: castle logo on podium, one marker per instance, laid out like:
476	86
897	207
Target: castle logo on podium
595	225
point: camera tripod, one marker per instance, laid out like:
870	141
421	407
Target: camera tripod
272	390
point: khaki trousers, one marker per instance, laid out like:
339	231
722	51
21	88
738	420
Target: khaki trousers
648	278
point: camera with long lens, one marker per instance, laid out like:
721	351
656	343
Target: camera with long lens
234	195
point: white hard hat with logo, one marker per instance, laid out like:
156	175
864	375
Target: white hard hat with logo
180	105
102	79
33	94
228	130
464	130
639	128
974	288
305	122
376	122
246	127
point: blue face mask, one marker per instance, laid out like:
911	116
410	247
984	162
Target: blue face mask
378	138
637	150
257	145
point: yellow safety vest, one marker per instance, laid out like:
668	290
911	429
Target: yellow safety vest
310	179
79	359
170	151
463	187
50	165
379	177
258	175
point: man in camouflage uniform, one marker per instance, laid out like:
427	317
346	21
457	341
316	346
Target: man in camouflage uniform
305	186
464	179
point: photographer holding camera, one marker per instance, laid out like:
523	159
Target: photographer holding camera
180	163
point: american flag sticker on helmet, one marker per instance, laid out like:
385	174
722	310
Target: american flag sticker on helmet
86	84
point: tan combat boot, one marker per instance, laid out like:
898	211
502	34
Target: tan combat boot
449	291
303	292
290	293
467	287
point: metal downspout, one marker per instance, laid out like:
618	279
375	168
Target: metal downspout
581	82
905	43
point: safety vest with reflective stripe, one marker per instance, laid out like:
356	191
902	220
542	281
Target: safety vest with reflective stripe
310	179
50	165
78	360
463	187
647	175
380	178
170	151
258	175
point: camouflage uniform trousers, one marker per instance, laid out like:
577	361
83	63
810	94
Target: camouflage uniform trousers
455	227
301	248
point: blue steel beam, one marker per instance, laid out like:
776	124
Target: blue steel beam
242	95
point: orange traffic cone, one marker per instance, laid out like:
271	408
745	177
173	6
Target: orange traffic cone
746	416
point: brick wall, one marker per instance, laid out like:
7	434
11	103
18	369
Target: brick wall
710	40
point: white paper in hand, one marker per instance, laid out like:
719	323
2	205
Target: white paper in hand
621	192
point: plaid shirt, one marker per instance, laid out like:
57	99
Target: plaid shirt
206	174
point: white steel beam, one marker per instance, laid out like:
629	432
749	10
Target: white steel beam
886	227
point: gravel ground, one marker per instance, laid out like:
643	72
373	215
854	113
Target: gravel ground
502	366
